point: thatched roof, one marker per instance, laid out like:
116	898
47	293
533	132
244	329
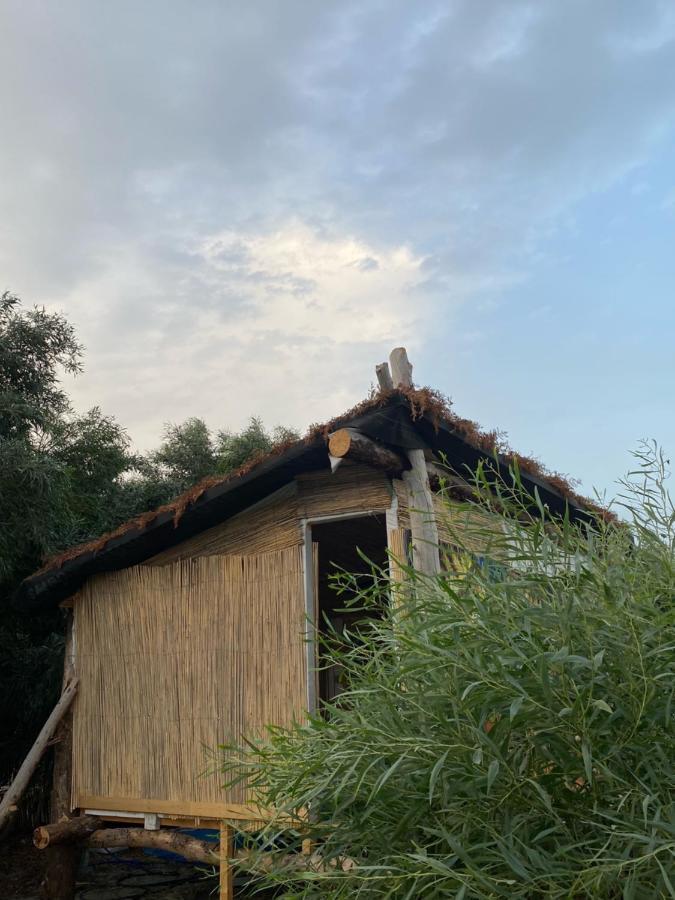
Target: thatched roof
403	417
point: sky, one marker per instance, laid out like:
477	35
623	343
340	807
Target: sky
243	207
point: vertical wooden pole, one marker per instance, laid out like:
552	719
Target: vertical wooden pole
63	860
426	556
226	854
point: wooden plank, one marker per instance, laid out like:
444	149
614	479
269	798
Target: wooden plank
187	808
226	869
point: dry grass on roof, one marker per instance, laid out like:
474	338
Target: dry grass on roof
423	403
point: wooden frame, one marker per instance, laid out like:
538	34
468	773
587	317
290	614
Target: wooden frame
182	808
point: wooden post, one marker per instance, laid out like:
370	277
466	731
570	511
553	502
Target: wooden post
401	369
384	377
226	854
61	780
426	556
63	861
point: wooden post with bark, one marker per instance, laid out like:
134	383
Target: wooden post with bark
426	556
63	860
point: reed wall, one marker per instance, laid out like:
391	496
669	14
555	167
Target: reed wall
175	659
351	489
273	524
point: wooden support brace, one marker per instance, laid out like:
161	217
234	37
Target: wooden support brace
28	766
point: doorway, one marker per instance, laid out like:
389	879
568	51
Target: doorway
342	546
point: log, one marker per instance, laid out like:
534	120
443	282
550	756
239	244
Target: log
349	442
165	839
28	766
67	831
384	377
401	368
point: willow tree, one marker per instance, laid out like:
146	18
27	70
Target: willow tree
507	728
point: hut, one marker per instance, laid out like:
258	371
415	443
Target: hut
197	623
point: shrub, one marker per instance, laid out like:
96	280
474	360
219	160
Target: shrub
507	731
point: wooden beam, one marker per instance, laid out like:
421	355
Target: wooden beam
350	442
67	831
401	368
28	766
384	377
187	808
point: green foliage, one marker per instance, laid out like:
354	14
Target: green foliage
235	449
506	737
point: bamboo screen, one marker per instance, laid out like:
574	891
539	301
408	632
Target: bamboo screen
273	524
350	489
178	658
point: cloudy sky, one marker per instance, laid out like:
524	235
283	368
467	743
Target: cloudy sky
244	206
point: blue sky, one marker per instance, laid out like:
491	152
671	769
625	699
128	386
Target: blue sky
244	207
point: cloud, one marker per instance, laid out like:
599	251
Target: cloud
285	312
242	206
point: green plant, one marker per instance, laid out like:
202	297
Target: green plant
500	737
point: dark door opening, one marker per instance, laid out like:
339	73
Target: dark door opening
341	544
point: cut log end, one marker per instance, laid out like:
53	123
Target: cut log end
66	831
339	443
347	442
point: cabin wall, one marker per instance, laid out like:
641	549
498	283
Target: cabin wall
173	660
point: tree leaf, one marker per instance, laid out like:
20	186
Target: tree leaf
493	769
